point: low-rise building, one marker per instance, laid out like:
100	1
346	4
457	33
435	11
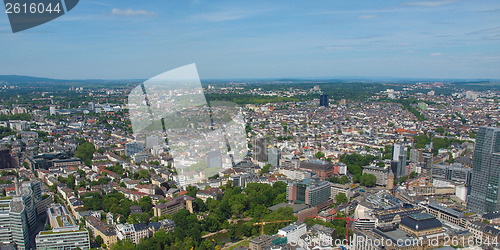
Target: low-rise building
173	206
99	228
380	173
65	233
420	225
133	232
214	193
293	232
447	214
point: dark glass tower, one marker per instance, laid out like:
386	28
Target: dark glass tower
323	100
485	194
260	149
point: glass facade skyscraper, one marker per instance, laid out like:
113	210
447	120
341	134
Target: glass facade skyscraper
323	100
485	194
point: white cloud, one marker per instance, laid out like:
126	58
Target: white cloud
368	16
436	54
131	12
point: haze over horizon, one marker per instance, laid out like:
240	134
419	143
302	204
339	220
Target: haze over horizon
443	39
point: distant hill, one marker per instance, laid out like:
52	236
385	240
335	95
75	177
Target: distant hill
26	79
41	82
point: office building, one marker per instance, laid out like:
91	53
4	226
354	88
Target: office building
154	140
427	163
260	149
19	215
447	214
453	172
309	191
46	161
340	188
381	174
398	164
213	159
134	232
322	169
6	161
416	155
274	155
132	148
52	110
173	206
485	184
65	233
91	106
323	101
293	232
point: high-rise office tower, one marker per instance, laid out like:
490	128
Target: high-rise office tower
416	155
309	191
19	215
323	100
132	148
91	106
274	155
427	163
260	149
485	190
398	164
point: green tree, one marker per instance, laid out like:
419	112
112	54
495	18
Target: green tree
319	155
265	169
123	245
368	180
85	152
340	198
98	240
412	175
192	191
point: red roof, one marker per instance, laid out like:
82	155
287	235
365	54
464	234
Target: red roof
404	131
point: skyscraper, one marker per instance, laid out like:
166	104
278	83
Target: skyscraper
260	149
132	148
274	155
19	214
485	184
323	100
427	163
398	164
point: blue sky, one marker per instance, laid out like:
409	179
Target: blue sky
261	39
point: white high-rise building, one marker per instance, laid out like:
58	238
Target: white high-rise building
398	164
52	110
19	214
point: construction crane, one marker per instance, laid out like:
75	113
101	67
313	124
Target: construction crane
340	218
262	223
